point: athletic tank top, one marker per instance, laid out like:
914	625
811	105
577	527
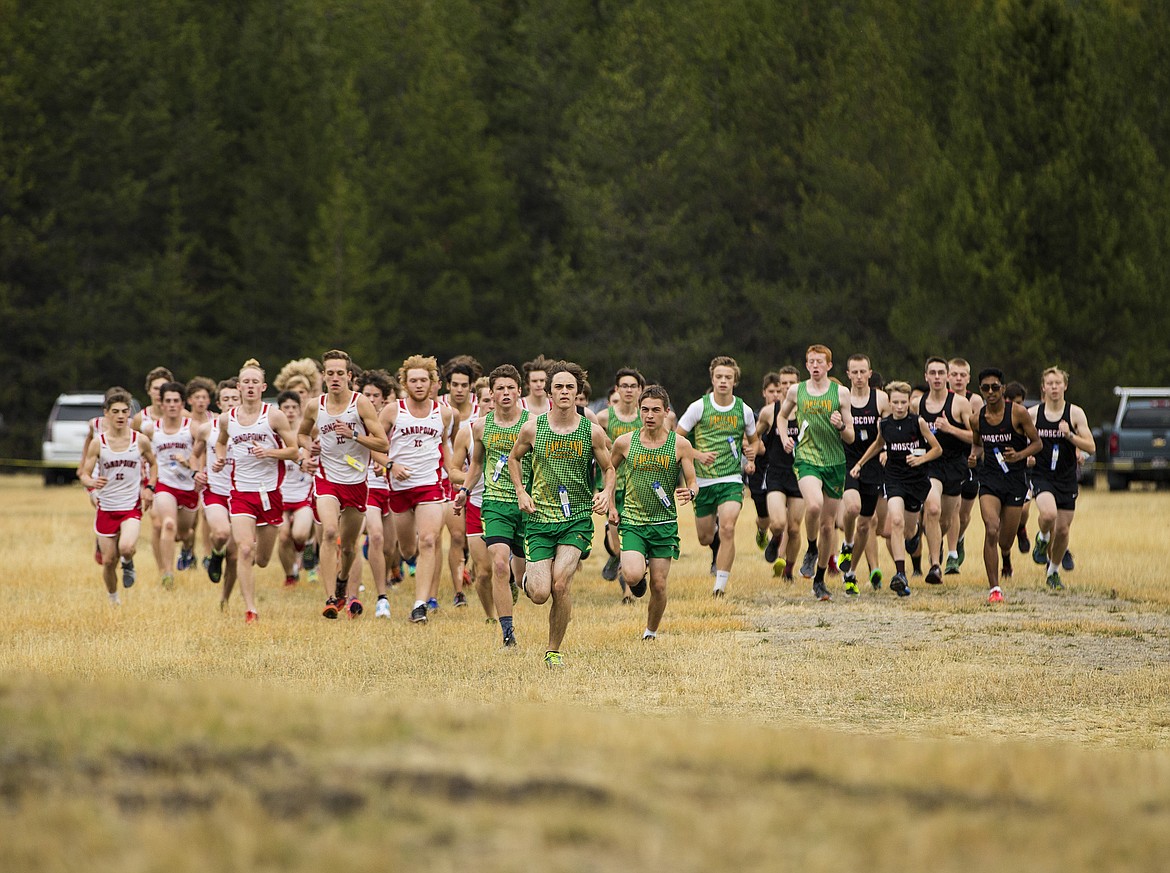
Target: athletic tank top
562	481
865	429
1057	461
218	483
950	444
168	448
820	442
417	444
124	471
497	445
903	438
297	485
780	461
343	461
720	431
651	477
250	471
614	428
375	479
996	438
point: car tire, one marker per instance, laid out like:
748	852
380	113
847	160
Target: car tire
1117	482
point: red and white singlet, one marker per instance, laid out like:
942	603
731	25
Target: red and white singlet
343	461
297	485
250	471
168	448
417	444
123	470
218	483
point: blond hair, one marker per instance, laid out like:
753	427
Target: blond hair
418	362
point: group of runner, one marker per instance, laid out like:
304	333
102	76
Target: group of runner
515	479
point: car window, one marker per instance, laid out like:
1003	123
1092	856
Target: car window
71	412
1151	413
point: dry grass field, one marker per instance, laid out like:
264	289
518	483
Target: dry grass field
766	731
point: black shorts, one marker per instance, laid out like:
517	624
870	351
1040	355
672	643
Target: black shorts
912	491
782	479
760	499
952	471
1011	489
970	489
1064	492
870	494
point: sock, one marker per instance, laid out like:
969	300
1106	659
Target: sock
126	562
383	597
1043	537
114	597
339	588
721	577
916	562
221	551
820	577
506	625
1022	528
1052	568
715	546
419	603
812	545
649	634
953	554
847	547
900	566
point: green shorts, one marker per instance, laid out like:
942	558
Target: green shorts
503	522
651	540
542	538
711	496
832	478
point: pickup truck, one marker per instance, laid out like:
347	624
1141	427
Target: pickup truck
1136	441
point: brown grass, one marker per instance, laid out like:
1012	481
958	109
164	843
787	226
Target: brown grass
762	732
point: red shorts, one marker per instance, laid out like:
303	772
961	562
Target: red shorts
251	504
185	499
474	519
210	498
379	499
347	496
307	503
408	499
107	524
448	489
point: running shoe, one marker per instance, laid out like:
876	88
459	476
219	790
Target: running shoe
411	564
250	617
552	660
851	589
627	600
952	568
962	552
206	563
761	539
875	579
1040	551
820	592
1006	572
1066	563
366	547
466	576
1022	539
382	610
899	585
314	576
395	576
711	572
772	550
845	558
97	552
715	592
215	567
128	573
515	589
418	615
290	581
309	556
916	565
995	595
168	581
432	605
833	569
510	640
330	611
913	542
1054	582
934	575
639	588
649	636
779	567
460	599
186	560
355	608
808	567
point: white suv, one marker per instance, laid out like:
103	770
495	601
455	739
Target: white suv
65	434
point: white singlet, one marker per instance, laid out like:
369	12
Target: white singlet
344	461
218	483
297	484
416	443
124	471
168	448
251	472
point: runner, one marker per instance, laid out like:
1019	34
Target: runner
347	430
216	490
958	379
1063	429
176	500
459	373
377	387
618	419
559	529
948	415
862	494
724	428
1005	439
1016	393
417	426
910	446
472	510
771	392
155	379
119	458
822	410
783	501
258	439
536	400
492	439
653	461
296	494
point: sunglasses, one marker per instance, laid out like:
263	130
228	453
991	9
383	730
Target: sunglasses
990	386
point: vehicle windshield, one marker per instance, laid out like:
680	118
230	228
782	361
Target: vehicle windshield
71	412
1147	413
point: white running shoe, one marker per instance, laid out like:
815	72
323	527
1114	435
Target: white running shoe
382	610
